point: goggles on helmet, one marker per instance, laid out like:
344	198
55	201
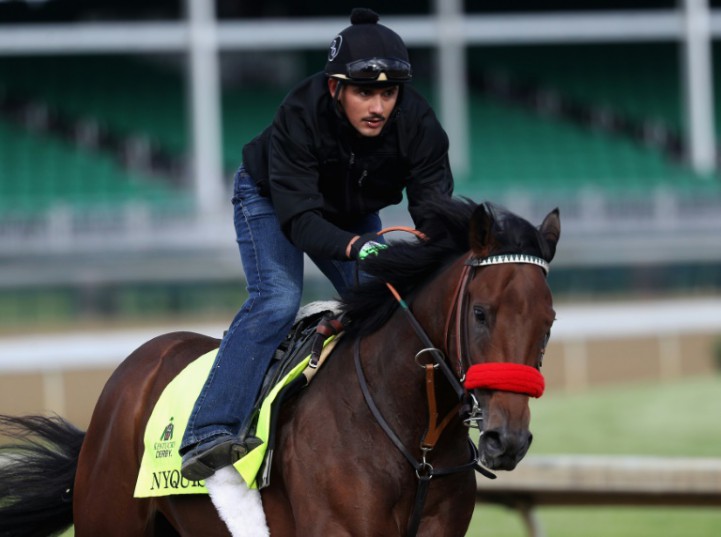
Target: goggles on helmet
371	69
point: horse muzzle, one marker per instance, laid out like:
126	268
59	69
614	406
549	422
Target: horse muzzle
501	449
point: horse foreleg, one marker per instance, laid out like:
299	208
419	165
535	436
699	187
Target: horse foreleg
278	512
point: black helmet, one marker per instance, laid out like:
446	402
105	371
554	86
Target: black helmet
368	53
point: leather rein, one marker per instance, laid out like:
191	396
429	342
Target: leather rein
467	405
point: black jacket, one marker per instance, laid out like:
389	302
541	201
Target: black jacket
321	174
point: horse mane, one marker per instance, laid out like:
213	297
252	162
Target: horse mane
408	264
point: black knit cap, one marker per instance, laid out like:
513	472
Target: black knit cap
364	39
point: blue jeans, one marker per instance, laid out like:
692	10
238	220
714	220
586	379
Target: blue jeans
274	273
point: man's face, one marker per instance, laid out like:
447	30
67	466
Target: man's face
367	108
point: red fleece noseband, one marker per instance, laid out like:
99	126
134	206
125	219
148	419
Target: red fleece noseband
506	377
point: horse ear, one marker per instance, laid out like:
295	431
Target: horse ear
551	231
481	232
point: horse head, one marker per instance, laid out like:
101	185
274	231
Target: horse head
504	313
480	307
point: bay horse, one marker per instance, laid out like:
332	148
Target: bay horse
462	317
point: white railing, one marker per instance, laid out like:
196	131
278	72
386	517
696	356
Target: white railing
602	480
596	231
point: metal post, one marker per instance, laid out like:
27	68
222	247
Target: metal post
452	84
204	101
698	85
533	525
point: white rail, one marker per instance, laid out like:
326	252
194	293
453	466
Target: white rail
106	348
579	480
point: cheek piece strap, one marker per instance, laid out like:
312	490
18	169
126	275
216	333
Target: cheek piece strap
507	377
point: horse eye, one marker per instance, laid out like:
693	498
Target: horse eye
543	349
480	314
545	340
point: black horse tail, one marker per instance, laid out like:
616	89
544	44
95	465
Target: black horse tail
37	472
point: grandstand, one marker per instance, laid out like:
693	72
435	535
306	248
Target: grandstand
96	151
517	145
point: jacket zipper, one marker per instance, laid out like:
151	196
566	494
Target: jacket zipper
349	190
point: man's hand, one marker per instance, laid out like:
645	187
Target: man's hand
362	246
370	248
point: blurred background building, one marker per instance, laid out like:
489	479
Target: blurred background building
122	121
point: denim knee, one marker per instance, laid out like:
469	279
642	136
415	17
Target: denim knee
268	313
281	310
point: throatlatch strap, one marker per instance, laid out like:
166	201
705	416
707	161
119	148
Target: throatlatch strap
507	377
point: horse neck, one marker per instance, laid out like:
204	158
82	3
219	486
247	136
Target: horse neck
434	306
397	381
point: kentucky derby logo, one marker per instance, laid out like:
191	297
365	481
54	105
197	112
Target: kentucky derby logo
164	448
167	432
335	47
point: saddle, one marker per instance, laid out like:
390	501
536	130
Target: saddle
314	324
306	335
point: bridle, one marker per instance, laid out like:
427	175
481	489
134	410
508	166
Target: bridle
502	376
467	406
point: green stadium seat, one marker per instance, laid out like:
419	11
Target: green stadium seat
37	173
512	148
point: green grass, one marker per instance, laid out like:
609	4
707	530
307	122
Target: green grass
665	419
491	521
669	419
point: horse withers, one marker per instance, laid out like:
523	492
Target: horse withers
451	331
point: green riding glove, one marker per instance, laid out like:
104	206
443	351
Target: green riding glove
370	248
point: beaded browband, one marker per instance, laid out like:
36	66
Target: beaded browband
508	258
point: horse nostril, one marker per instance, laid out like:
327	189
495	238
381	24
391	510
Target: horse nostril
493	442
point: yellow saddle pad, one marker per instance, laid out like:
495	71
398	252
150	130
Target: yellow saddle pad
159	473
